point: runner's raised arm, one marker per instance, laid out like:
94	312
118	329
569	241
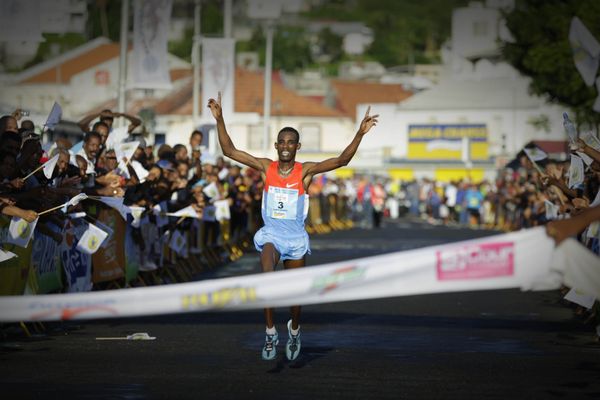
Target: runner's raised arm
229	150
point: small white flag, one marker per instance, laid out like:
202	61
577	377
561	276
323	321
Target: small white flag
535	153
586	159
125	150
76	199
54	117
20	231
222	210
580	298
586	51
6	255
590	139
140	171
49	166
122	170
211	190
116	136
178	243
188	211
91	240
136	213
575	172
551	210
223	174
116	203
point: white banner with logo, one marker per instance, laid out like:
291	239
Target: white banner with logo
218	73
150	56
517	260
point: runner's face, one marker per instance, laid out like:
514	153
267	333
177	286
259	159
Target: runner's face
286	146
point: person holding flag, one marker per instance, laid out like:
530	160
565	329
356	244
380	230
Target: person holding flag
284	209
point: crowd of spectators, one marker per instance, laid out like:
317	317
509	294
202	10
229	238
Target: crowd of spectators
528	194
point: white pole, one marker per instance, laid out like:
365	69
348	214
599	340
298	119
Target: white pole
123	55
196	63
267	103
227	18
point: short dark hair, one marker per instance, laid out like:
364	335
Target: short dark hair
178	147
100	123
92	134
196	132
289	129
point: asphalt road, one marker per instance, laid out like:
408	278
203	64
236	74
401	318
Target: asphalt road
477	345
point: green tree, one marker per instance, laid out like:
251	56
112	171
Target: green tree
211	24
291	49
404	31
541	50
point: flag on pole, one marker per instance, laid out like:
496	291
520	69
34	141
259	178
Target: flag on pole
586	51
54	117
76	199
551	210
126	150
20	231
6	255
222	210
188	211
116	203
575	172
91	240
178	243
590	139
50	165
136	212
116	136
535	153
211	190
141	172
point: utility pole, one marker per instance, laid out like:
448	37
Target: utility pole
267	97
196	63
121	103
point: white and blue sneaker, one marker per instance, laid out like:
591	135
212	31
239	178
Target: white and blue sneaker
269	350
292	347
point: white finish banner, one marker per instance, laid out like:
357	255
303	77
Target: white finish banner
516	260
218	73
150	56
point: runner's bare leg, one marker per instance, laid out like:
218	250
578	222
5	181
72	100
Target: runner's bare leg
269	257
294	310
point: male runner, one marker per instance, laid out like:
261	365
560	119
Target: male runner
284	209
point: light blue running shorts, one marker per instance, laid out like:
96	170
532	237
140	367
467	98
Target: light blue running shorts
289	247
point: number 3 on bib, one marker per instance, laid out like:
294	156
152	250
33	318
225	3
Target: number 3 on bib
282	203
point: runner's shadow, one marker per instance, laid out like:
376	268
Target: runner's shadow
307	356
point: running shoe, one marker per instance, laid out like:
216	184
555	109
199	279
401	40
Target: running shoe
292	348
269	350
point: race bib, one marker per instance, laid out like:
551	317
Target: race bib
282	203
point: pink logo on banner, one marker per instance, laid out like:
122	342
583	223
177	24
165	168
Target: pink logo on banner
489	260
